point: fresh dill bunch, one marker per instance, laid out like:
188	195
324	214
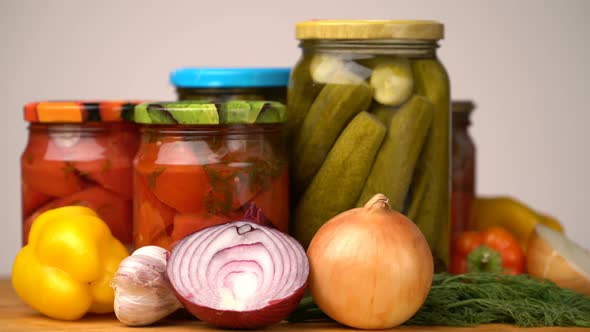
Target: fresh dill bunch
481	298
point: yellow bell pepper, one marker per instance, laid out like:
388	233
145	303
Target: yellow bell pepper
511	214
66	268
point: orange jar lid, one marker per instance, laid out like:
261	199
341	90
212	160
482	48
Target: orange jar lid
79	111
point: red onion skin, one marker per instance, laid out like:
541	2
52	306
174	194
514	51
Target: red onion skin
253	319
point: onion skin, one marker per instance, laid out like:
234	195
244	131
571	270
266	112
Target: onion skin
255	319
546	263
370	267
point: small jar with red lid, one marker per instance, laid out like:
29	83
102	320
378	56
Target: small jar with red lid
80	153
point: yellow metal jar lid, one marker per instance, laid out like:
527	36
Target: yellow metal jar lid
370	29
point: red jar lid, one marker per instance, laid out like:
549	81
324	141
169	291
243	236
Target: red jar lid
79	111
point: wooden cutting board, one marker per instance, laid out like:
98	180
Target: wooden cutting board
15	316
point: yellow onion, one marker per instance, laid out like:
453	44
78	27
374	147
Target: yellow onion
370	267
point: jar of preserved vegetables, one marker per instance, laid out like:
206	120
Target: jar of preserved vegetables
223	84
463	171
368	109
201	164
80	153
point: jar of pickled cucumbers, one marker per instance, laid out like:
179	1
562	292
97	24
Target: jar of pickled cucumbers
201	164
223	84
368	106
463	168
80	153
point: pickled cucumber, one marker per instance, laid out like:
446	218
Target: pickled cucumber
394	165
300	95
432	173
338	183
383	113
392	81
328	115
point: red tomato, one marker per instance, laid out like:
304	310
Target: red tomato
113	174
152	219
274	202
31	199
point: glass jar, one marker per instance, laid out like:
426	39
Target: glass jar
463	170
80	153
202	164
368	109
224	84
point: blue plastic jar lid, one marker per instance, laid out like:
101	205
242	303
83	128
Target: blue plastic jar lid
230	77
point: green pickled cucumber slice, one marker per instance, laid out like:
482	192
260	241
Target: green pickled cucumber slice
391	173
338	183
331	111
392	81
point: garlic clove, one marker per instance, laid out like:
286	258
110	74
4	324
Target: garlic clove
143	294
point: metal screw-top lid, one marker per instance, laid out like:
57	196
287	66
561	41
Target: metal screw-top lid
370	29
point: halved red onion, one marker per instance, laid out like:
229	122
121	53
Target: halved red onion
239	275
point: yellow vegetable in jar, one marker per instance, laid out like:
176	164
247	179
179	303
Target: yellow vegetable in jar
511	214
66	268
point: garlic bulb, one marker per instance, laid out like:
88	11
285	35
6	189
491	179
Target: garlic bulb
142	292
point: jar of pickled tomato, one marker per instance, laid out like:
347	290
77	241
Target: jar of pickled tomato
201	164
80	153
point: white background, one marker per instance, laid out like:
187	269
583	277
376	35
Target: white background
525	63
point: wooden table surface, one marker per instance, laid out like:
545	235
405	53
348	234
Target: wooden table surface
16	316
